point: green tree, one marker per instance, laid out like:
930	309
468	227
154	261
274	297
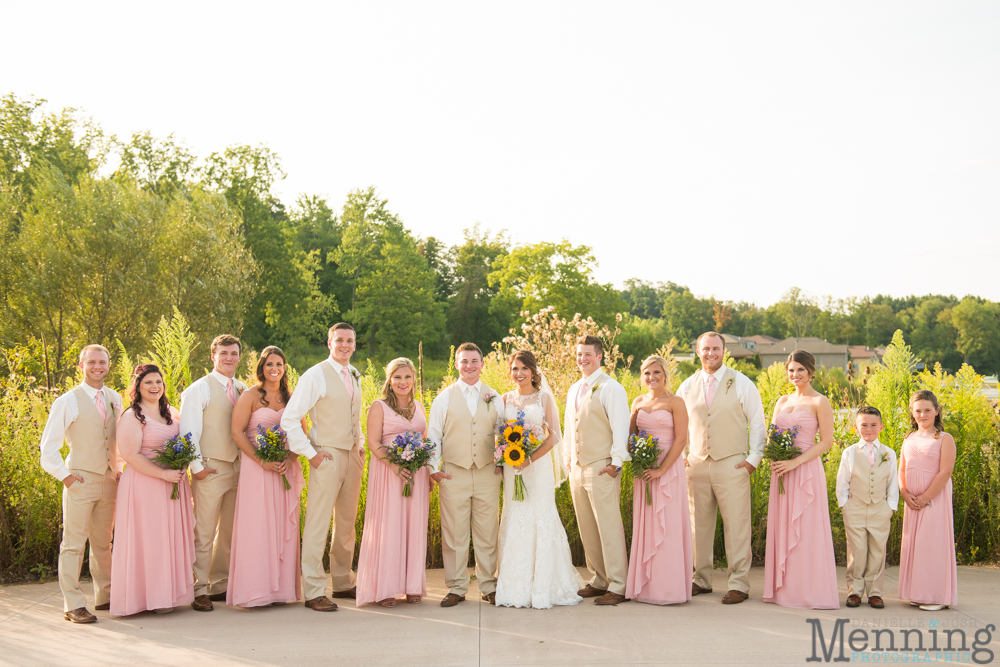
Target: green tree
470	316
977	323
163	166
797	311
687	316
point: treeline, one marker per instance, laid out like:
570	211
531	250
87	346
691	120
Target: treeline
103	237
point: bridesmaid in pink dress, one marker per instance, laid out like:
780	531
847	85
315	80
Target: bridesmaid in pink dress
394	543
264	561
661	561
799	566
928	575
153	555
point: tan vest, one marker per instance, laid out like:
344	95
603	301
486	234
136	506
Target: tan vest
468	440
217	424
336	417
722	430
93	446
592	436
867	483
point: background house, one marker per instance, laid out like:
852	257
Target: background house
862	355
827	354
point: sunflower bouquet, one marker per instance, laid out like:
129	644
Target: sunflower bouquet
781	447
410	452
175	454
516	443
644	451
272	447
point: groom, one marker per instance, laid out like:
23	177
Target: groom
597	424
462	424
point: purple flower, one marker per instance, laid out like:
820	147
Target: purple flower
178	448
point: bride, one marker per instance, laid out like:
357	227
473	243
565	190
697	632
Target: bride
536	569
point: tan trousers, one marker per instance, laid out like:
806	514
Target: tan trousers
867	528
334	489
718	486
470	502
597	503
88	512
214	508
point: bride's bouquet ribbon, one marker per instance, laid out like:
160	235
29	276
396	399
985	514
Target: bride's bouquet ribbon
515	444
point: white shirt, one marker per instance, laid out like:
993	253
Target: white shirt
753	409
439	410
847	469
63	413
194	400
614	398
310	388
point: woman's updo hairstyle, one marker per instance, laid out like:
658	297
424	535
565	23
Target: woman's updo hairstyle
527	358
806	359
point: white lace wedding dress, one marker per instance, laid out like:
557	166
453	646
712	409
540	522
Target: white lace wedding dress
536	569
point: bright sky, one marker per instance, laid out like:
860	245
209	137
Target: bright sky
740	148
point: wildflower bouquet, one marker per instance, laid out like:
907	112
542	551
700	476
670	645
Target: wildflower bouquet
516	443
272	447
781	447
175	454
410	452
645	452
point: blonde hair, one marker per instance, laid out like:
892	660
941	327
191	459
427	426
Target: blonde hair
389	396
94	348
656	359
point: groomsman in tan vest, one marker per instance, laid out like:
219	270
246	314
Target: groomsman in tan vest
85	418
462	424
330	393
207	414
597	424
726	445
868	494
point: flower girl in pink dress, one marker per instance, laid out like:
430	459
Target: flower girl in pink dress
928	575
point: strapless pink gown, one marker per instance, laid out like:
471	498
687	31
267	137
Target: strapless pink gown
927	570
661	562
394	542
264	561
800	570
153	554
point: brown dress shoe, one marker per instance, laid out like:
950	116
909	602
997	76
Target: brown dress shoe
698	590
875	601
734	597
202	603
218	597
322	603
610	598
490	597
450	600
351	593
80	615
103	607
589	591
853	600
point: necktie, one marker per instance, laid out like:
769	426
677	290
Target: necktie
231	392
580	394
870	450
710	391
347	382
101	408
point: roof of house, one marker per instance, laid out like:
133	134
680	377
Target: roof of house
810	344
865	352
761	339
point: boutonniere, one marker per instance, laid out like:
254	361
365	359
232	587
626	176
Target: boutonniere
356	374
885	458
594	388
729	384
488	398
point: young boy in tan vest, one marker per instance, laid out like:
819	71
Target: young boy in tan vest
463	422
868	494
207	414
85	418
597	423
330	393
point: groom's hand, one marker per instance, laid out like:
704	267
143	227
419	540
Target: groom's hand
438	476
610	470
318	459
749	468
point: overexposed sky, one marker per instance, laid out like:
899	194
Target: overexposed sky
740	148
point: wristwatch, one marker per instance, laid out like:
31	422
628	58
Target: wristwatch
618	470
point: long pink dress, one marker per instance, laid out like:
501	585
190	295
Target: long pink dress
153	554
799	566
927	570
394	543
660	566
264	561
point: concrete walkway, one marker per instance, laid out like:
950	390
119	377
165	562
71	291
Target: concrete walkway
702	632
